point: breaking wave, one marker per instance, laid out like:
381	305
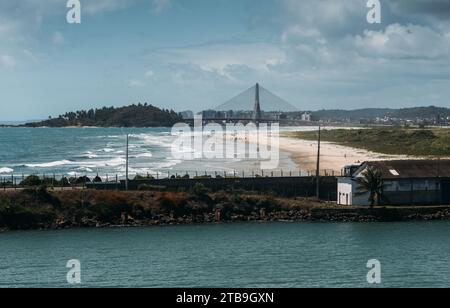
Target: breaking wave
50	164
6	170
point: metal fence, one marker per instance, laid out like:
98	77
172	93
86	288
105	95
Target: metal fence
15	181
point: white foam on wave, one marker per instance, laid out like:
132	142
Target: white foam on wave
89	154
142	155
106	150
141	171
85	169
116	162
50	164
6	170
167	165
151	167
101	163
148	139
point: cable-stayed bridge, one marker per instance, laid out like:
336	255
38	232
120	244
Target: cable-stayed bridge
254	104
269	102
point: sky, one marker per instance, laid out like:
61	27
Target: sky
197	54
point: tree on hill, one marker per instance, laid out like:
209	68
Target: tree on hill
130	116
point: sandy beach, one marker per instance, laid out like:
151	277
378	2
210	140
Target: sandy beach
333	157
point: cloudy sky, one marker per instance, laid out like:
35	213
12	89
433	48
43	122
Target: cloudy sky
195	54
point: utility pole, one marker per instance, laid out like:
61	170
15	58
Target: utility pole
318	167
126	166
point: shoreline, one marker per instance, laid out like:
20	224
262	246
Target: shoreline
334	157
58	210
322	216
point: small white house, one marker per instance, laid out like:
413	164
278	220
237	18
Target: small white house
406	182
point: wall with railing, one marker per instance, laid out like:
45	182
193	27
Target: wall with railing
285	183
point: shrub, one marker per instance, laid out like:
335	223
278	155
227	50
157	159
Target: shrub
199	189
17	216
97	179
109	206
31	180
173	202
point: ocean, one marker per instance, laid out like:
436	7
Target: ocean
251	255
92	151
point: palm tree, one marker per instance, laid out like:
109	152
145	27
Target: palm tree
371	182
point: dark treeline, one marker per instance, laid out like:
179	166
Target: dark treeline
140	115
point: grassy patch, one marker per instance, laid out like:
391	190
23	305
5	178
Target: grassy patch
394	141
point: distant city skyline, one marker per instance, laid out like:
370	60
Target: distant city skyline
198	54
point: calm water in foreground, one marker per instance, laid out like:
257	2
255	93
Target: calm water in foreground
234	255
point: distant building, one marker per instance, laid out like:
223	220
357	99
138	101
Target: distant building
220	114
229	114
209	114
306	117
188	114
406	182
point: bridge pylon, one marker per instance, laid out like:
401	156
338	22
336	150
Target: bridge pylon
257	109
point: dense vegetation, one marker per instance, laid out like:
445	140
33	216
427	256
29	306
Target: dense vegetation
395	141
141	115
40	208
373	113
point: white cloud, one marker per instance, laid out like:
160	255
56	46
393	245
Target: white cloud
221	57
58	38
7	61
324	16
135	83
149	74
299	33
102	6
10	31
5	27
161	5
404	41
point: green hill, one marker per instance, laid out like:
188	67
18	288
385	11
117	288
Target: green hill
129	116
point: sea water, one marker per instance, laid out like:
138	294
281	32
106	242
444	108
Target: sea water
91	151
414	254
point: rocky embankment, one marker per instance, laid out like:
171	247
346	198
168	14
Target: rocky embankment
43	209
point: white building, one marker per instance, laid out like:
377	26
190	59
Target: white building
306	117
406	182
